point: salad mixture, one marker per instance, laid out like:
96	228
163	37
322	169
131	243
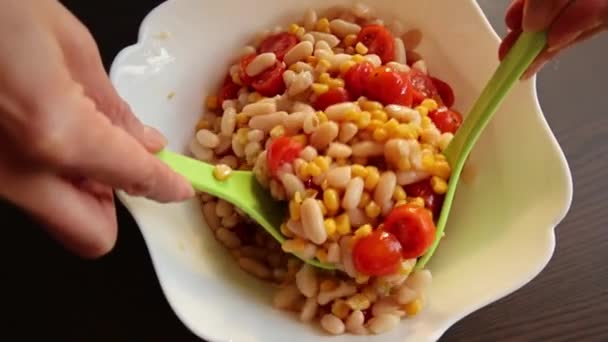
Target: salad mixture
338	115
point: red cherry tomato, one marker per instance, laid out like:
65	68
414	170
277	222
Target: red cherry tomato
377	254
270	82
282	150
331	97
279	44
446	120
445	92
246	80
424	190
356	79
228	91
379	41
422	86
389	87
414	228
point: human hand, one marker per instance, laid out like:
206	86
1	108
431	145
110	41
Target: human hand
566	21
66	137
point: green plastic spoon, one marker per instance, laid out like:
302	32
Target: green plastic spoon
241	189
510	70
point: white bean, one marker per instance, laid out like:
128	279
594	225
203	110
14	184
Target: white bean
399	66
292	184
343	28
230	221
223	208
411	176
301	66
306	280
430	136
420	66
405	295
354	323
419	280
267	122
385	188
210	216
295	121
311	123
339	150
296	228
329	38
228	122
286	297
324	134
308	153
260	108
445	140
348	130
255	135
298	53
312	221
339	177
337	112
200	152
400	56
309	310
300	83
374	60
207	138
224	146
353	193
333	253
288	77
228	238
403	114
332	324
310	18
308	38
302	107
245	51
343	290
361	10
396	27
368	149
260	63
383	323
346	251
255	268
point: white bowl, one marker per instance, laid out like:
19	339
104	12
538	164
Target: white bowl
500	234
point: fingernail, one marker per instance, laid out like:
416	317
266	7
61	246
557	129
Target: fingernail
154	139
564	41
186	190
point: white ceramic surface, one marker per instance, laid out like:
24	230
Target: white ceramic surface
500	235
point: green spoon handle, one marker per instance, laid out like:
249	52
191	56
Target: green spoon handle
522	54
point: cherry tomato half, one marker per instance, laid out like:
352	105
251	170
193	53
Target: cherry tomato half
414	228
282	150
377	254
228	91
245	79
424	190
445	92
379	41
356	78
331	97
279	44
422	86
270	82
446	120
389	87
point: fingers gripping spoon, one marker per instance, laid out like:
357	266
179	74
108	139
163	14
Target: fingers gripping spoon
509	71
241	189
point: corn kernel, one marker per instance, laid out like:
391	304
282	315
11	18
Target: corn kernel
322	206
375	124
349	40
300	139
371	106
241	135
322	162
365	199
406	266
379	115
343	224
202	124
321	254
324	78
358	301
391	126
285	231
380	134
328	285
331	199
254	97
211	102
372	178
399	193
358	171
300	32
323	65
294	210
362	279
413	308
400	203
440	169
352	115
405	131
312	60
417	201
372	210
277	131
336	83
344	67
293	28
322	25
364	120
294	245
322	117
330	226
439	185
370	293
440	157
303	171
221	172
313	169
242	119
298	197
426	122
340	309
324	185
430	104
358	58
362	231
423	111
311	193
319	88
361	48
428	161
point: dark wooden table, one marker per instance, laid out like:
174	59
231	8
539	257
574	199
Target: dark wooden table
51	294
